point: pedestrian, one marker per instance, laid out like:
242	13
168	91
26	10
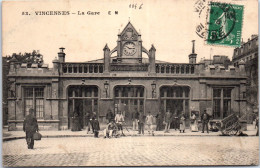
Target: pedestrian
257	125
194	123
167	120
96	127
149	122
30	126
182	123
75	123
159	121
175	121
110	116
93	117
88	123
135	117
110	130
256	121
141	122
119	119
205	121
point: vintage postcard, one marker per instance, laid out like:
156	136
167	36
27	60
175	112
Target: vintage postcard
130	83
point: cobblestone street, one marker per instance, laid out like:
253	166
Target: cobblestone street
133	151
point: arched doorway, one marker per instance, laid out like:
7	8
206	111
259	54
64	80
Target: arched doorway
82	99
128	99
176	100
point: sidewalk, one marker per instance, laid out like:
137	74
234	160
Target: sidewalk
12	135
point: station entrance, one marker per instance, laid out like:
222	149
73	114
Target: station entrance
82	100
176	100
127	100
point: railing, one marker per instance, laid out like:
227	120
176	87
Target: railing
68	68
175	68
127	67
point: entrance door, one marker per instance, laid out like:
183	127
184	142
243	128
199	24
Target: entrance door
82	100
176	100
175	106
128	99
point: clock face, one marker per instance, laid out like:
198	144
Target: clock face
129	49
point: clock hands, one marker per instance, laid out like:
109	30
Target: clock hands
129	47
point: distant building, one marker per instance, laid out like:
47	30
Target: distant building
122	83
247	51
218	60
5	87
247	54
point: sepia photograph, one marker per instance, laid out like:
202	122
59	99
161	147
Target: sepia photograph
130	83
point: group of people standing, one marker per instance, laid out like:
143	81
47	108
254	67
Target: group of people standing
179	122
115	123
139	120
172	119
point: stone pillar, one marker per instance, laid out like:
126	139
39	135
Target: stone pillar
55	68
106	59
13	61
152	60
241	66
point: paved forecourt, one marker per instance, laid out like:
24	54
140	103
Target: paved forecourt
133	151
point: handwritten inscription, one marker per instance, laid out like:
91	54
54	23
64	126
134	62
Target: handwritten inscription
136	6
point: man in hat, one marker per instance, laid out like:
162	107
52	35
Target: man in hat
110	116
30	126
205	121
96	127
135	117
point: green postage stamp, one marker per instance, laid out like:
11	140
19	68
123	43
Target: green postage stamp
225	24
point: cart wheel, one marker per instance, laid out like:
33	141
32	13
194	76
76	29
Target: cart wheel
233	131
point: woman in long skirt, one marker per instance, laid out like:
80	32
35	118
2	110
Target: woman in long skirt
182	123
194	123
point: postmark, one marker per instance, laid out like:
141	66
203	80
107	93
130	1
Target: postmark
224	24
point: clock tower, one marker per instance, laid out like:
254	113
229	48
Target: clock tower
129	46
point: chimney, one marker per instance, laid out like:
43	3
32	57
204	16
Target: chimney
61	55
193	55
242	42
106	59
253	36
152	60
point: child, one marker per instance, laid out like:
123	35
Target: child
96	127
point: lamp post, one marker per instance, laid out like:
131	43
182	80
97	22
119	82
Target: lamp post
106	87
153	89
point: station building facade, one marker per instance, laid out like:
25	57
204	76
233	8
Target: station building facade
124	83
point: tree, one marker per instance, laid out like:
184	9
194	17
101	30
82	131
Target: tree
29	58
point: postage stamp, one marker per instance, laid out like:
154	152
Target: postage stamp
225	24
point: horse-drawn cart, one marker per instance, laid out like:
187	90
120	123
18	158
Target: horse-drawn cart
230	125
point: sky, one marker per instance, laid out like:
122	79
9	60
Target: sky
169	25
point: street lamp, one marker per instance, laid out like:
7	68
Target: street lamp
83	81
153	89
106	87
